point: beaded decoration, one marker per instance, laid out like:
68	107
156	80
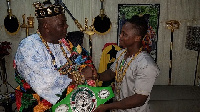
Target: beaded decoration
61	69
119	76
121	70
69	68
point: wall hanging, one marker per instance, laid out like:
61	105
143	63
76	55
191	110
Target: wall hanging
11	23
193	43
102	23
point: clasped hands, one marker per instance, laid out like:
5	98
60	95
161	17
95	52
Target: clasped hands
89	73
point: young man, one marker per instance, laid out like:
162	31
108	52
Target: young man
134	70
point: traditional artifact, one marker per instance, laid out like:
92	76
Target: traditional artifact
89	30
172	24
11	23
102	23
30	23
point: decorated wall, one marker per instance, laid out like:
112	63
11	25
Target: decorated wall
184	61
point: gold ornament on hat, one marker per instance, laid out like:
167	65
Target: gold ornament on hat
47	9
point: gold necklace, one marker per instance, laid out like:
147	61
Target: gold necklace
68	68
119	76
62	69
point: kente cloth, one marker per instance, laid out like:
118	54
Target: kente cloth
139	78
84	99
34	65
27	102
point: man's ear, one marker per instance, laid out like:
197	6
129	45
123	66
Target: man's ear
46	27
138	38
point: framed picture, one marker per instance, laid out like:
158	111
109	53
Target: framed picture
151	12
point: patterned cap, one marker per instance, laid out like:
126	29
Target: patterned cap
47	9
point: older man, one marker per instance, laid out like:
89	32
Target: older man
39	61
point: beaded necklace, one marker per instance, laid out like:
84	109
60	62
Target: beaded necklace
119	76
70	67
64	68
121	71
